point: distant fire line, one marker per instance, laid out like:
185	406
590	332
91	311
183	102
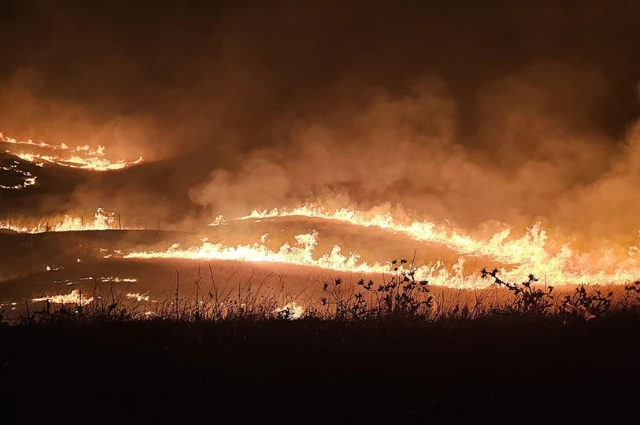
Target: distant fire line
81	157
102	220
532	253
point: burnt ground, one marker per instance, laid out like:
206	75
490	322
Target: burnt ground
507	369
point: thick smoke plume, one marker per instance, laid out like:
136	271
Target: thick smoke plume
460	111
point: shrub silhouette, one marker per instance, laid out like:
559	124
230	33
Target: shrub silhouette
527	299
585	305
401	296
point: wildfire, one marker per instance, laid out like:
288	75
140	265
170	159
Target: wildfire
28	179
556	262
75	297
529	248
118	279
291	310
557	269
102	220
138	297
82	157
535	252
302	254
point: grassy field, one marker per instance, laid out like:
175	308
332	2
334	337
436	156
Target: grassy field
503	368
396	350
526	359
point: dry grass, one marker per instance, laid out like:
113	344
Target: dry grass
400	297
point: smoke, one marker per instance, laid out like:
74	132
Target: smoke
536	150
466	112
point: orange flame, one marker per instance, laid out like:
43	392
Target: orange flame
558	262
82	157
301	254
102	220
75	297
28	178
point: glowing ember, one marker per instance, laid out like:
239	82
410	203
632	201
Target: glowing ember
219	221
291	310
137	297
118	279
82	157
27	178
75	297
52	268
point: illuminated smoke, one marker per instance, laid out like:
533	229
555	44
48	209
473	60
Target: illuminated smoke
514	143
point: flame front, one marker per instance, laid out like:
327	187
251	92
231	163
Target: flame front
300	254
81	157
75	297
102	220
528	255
533	253
530	248
27	178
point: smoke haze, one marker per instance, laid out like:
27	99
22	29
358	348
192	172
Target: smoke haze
463	111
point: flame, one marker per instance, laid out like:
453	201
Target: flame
291	310
102	220
301	254
563	267
28	179
137	296
82	157
75	297
534	252
119	279
529	248
559	262
52	268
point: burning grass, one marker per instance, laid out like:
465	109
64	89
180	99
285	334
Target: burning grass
401	297
397	349
100	220
392	360
82	157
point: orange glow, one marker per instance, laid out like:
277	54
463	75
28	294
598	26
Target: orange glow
28	179
302	254
555	261
291	310
75	297
102	220
138	297
82	157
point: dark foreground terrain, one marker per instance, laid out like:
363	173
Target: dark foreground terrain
512	369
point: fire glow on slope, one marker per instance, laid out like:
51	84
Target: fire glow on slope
75	297
300	253
82	157
556	269
529	248
28	179
534	252
102	220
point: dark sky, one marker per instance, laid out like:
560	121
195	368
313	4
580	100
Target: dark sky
228	79
250	63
